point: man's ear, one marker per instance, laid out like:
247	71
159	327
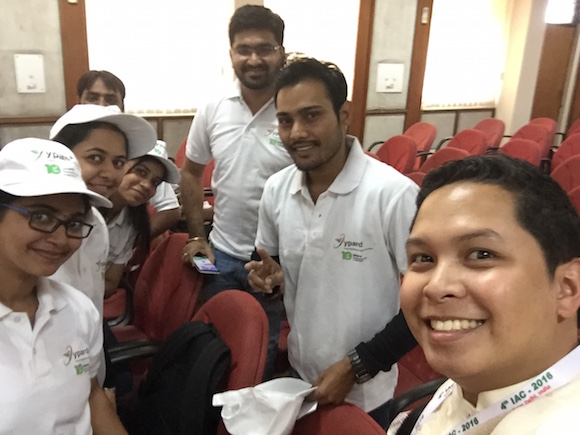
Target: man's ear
345	114
568	280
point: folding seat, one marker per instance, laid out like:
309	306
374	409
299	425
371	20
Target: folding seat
493	129
524	149
337	420
165	295
567	174
400	152
569	148
471	140
243	326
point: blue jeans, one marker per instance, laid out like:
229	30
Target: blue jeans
233	276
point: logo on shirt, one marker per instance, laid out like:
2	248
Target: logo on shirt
351	250
78	357
274	138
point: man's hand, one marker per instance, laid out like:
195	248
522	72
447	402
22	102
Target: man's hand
334	383
197	247
266	274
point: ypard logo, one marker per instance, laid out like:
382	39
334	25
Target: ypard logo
348	246
80	359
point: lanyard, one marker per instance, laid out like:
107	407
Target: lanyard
546	382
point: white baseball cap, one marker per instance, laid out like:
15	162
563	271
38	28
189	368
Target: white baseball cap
160	153
141	136
36	167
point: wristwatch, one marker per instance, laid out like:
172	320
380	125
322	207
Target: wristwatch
360	372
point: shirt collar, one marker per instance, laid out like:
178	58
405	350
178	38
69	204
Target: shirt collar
49	299
119	219
348	178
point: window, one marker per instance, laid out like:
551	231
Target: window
561	12
173	55
466	54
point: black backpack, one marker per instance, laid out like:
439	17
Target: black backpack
188	369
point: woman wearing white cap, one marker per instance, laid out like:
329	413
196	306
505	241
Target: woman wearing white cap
102	139
50	336
128	220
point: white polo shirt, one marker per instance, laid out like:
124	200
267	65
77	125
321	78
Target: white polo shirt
247	150
122	236
46	370
342	258
85	269
164	198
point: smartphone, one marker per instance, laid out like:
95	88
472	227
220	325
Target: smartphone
203	265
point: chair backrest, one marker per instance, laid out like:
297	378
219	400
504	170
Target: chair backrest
414	370
567	174
167	290
180	155
574	128
493	129
243	326
337	420
423	133
569	148
442	156
525	149
550	125
537	133
574	196
417	177
472	141
399	152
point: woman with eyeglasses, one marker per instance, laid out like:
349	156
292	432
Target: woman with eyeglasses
50	337
128	220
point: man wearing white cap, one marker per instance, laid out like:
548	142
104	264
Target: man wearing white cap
50	336
102	139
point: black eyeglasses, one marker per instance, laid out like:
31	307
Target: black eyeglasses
263	50
45	223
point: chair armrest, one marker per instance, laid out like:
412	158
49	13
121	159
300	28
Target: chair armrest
131	350
442	141
374	144
402	401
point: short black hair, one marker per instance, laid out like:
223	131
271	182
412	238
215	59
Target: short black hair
110	80
254	17
305	69
542	207
73	134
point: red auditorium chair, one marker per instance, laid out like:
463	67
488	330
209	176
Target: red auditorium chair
550	125
400	152
417	177
524	149
574	196
442	156
567	174
243	326
537	133
424	134
569	148
345	419
493	129
471	140
165	295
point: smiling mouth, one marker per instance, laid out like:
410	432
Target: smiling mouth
454	324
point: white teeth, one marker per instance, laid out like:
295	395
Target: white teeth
455	324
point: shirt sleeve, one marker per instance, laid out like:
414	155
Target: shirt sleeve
267	234
164	198
198	147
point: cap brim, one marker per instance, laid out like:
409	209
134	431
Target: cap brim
27	190
172	174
